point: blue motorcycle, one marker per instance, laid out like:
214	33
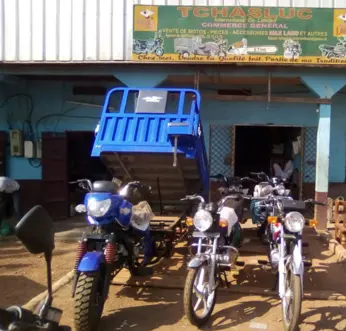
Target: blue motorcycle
120	233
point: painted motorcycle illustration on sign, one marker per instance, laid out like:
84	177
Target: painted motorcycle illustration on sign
241	48
292	49
334	52
150	46
195	46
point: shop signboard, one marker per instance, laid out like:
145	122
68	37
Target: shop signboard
268	35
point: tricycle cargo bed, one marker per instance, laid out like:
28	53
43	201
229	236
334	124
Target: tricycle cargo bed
155	136
169	184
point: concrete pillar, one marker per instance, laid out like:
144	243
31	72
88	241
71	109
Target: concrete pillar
325	86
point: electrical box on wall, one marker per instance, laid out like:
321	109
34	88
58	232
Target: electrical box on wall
16	142
29	149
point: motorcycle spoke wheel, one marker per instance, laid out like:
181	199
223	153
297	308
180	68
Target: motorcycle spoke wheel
292	301
198	302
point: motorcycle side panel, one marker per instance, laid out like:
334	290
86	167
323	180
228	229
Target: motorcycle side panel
91	262
197	261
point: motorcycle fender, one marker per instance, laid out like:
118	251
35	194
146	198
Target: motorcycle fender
91	262
197	261
297	264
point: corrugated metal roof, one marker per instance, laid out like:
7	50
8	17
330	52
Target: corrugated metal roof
91	30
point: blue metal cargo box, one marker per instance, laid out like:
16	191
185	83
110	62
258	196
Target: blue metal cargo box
142	132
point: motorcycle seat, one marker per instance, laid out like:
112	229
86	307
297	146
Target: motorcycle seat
105	186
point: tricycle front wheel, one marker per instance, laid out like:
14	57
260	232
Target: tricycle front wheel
196	287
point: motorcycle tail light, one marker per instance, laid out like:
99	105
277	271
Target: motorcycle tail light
272	219
189	221
223	223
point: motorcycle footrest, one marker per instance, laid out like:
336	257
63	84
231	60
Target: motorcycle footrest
307	264
263	262
305	244
240	263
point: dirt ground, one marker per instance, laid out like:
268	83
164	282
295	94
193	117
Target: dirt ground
23	276
162	310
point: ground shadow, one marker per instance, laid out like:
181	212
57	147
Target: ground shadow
167	310
240	313
325	318
17	290
150	294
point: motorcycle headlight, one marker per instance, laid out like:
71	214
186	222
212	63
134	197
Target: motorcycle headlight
280	189
294	221
266	190
98	208
203	220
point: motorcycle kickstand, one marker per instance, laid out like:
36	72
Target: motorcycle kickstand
224	279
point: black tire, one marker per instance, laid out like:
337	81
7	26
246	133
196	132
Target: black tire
64	328
88	304
188	293
296	287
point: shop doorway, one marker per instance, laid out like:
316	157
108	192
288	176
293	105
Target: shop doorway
258	148
82	165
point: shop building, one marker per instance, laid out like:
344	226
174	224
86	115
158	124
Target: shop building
55	72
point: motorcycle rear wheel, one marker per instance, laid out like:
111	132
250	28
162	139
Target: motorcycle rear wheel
189	292
88	302
291	315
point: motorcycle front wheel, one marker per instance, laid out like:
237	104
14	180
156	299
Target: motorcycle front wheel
291	303
88	302
196	287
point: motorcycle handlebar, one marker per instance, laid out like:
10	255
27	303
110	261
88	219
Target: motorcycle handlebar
193	197
7	317
81	181
230	180
314	202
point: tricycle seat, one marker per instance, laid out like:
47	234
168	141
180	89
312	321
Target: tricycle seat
105	186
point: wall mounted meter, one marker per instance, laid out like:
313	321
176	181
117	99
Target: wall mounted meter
16	142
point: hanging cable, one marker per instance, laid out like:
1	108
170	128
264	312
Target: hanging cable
269	89
196	80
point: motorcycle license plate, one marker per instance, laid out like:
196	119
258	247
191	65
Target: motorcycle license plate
206	235
53	315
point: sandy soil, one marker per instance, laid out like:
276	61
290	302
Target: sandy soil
156	309
23	276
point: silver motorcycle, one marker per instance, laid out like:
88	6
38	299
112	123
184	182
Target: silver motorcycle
285	253
214	223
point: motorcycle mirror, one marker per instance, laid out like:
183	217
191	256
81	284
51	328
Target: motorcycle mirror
36	231
80	208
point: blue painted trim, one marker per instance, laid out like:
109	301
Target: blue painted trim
325	85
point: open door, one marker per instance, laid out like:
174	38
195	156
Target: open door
54	174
